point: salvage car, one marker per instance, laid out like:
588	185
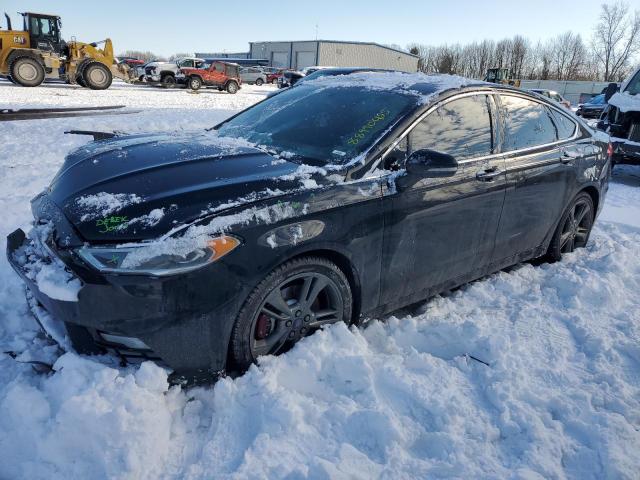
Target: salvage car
553	95
336	201
165	73
222	75
621	120
593	108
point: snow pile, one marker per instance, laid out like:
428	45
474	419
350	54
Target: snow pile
104	203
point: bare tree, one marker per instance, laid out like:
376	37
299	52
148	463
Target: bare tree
616	39
146	56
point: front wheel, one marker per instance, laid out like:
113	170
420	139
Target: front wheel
232	87
574	228
292	302
97	76
259	82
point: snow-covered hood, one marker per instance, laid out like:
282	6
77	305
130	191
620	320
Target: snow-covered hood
140	187
625	102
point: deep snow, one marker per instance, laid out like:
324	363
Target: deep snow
400	398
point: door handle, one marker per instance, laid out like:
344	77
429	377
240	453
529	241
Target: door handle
488	174
569	156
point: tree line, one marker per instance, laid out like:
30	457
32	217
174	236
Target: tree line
608	55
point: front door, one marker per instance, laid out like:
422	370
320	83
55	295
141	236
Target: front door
440	231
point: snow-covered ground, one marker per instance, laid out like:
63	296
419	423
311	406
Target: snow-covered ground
401	398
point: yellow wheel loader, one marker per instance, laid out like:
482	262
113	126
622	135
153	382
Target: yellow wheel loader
36	52
502	76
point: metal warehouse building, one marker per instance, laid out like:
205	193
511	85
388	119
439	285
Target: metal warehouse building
298	55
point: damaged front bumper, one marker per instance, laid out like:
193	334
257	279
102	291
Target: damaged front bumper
177	321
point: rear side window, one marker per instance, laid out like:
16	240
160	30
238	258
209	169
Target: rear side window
461	128
527	123
566	127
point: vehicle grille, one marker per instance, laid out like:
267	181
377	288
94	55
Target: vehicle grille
634	132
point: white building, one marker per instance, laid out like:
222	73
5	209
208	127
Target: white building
331	53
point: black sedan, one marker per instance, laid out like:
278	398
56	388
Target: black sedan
335	201
593	108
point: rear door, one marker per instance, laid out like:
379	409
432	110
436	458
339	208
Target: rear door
539	163
441	231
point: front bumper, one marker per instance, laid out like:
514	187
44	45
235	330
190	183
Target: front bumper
626	151
183	322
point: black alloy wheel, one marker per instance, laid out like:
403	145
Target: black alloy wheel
292	302
574	228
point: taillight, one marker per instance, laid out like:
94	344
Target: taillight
610	150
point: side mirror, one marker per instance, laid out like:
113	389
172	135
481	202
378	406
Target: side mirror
427	163
611	89
430	163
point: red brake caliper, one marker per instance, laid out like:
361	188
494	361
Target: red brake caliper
263	326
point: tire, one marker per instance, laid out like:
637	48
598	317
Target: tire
290	318
259	82
232	87
96	76
168	81
27	71
195	83
274	81
574	227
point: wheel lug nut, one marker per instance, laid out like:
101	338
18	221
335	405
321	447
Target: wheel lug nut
292	334
303	330
307	318
298	313
288	324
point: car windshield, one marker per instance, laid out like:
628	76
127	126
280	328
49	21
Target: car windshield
321	125
634	85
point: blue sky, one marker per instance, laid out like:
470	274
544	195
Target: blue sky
166	27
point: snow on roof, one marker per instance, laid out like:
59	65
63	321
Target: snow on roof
625	102
418	84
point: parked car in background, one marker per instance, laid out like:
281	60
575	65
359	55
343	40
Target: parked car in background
621	119
253	75
273	74
223	75
131	61
593	108
164	73
289	78
225	256
553	95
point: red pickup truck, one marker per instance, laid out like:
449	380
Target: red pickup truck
223	75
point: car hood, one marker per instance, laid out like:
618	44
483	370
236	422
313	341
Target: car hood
141	186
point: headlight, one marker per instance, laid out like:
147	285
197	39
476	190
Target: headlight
168	257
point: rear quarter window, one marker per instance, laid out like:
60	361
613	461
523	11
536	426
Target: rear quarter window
527	123
566	126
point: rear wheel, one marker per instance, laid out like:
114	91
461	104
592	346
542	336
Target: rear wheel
195	83
97	76
274	81
27	71
168	81
232	87
259	82
574	228
292	302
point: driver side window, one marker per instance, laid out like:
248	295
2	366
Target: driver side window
461	128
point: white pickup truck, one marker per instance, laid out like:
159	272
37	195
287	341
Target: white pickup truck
164	73
621	120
